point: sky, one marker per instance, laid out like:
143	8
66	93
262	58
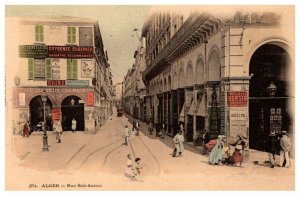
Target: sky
116	25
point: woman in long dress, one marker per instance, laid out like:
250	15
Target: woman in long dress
215	156
178	141
58	131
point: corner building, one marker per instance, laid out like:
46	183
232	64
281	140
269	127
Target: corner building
226	74
65	58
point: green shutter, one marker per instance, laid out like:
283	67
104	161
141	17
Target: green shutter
68	69
36	33
48	69
69	34
73	34
30	68
74	69
42	33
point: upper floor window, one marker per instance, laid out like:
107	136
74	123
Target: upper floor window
39	69
72	69
39	33
71	35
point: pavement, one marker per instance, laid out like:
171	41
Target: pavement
100	159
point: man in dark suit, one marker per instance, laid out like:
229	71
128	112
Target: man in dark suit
205	140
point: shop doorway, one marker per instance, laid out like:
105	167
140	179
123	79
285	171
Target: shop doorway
72	107
268	94
36	111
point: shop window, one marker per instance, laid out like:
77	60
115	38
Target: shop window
71	69
39	33
71	35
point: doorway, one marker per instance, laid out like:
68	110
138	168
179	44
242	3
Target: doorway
71	107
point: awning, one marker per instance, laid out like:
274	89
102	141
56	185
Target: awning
181	116
192	108
201	108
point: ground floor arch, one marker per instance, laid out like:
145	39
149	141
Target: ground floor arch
72	107
36	112
269	95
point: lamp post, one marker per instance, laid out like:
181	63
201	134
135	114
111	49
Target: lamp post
272	89
45	137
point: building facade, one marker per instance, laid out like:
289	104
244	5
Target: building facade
229	75
65	58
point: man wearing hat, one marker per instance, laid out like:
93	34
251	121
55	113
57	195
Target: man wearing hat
271	148
285	145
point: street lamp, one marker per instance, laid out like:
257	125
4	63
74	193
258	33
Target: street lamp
45	137
272	89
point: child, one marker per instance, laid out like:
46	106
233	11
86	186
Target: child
137	170
128	171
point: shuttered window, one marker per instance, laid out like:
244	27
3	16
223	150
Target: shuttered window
48	69
30	68
71	35
39	33
72	69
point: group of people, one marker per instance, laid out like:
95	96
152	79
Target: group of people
220	151
133	168
279	146
135	129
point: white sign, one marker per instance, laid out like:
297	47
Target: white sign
55	64
21	99
87	68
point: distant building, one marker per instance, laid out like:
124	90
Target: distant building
65	58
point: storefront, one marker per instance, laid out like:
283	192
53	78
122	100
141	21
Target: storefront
62	104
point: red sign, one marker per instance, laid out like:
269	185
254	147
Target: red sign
55	114
75	52
56	83
90	98
237	99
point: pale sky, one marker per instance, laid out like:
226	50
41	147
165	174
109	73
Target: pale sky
116	25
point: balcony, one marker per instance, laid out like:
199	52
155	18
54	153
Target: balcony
191	25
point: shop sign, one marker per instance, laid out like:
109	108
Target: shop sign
44	51
237	99
55	65
238	119
90	98
56	82
33	51
56	114
55	90
77	82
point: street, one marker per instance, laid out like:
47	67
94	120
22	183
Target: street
99	162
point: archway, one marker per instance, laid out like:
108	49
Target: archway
200	72
214	66
36	108
268	103
72	108
189	75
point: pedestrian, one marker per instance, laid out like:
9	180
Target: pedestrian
134	125
215	156
126	135
178	141
137	170
128	171
26	129
74	125
58	131
137	127
205	140
150	129
271	148
162	131
285	145
157	128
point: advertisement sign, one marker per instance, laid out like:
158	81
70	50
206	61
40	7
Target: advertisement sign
55	65
87	68
43	51
56	114
21	99
237	99
56	83
90	98
77	82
